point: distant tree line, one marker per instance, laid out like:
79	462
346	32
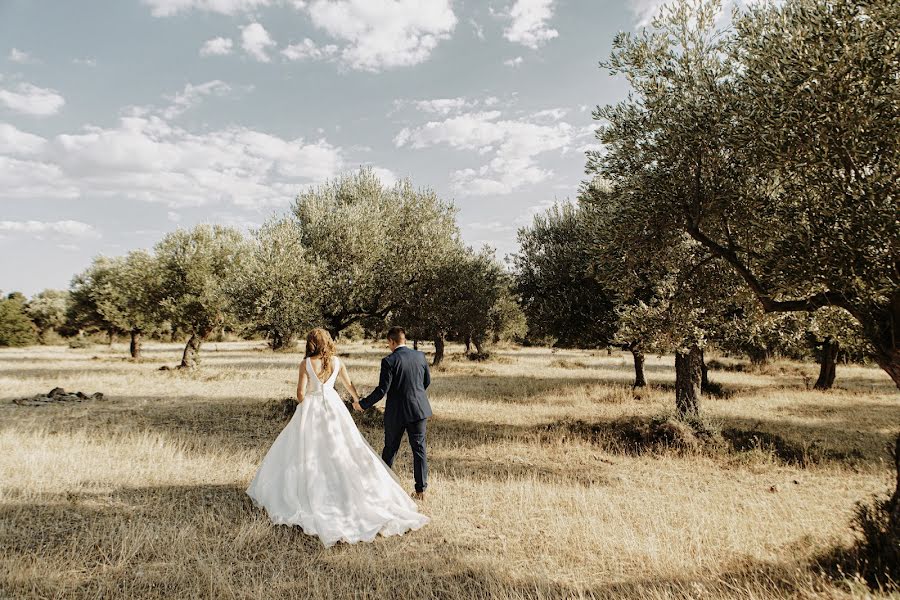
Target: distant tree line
353	255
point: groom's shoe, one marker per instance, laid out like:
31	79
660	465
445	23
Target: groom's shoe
420	496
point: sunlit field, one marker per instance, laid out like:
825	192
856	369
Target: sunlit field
540	486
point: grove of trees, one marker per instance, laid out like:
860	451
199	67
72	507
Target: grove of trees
352	252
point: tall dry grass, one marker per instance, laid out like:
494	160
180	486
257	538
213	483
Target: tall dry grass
534	493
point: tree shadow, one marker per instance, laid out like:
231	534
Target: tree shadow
209	541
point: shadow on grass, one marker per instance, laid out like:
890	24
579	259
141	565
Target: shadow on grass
208	541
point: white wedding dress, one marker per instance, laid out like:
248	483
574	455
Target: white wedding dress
322	475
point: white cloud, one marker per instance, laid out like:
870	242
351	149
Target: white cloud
554	114
85	62
529	23
29	99
69	228
193	95
490	226
383	34
20	56
308	50
514	62
167	8
218	46
385	176
513	145
16	142
645	10
446	106
442	106
477	28
256	41
148	158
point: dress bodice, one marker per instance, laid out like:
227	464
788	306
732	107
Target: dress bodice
316	384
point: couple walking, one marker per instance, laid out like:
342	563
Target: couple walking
320	472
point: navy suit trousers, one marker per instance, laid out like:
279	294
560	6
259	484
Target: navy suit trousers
415	431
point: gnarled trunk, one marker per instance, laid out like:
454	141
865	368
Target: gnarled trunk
415	344
479	344
192	349
688	378
827	364
438	350
639	379
281	340
136	343
468	344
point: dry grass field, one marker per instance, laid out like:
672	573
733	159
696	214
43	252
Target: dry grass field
540	488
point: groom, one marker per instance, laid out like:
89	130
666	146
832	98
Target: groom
404	379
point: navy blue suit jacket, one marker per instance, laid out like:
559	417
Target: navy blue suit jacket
404	379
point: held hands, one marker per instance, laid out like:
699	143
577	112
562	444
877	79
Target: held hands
356	406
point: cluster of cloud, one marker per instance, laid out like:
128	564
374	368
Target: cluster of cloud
76	229
168	8
367	35
529	23
512	143
146	157
28	99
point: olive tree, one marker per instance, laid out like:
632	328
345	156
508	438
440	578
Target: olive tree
375	244
278	291
469	298
561	297
118	295
775	162
196	268
47	309
16	329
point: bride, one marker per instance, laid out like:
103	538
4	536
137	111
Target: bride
320	472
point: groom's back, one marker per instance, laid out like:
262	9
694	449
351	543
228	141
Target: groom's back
407	400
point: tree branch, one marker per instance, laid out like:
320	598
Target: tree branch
769	304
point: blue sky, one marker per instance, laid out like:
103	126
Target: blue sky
121	120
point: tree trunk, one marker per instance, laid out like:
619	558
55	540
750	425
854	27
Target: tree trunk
704	373
111	336
759	356
192	349
280	340
438	350
136	343
468	344
415	344
639	379
894	505
827	364
478	345
688	377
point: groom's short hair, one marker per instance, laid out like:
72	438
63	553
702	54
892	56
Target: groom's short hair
397	335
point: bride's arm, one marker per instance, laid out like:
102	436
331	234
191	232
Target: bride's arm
301	383
345	379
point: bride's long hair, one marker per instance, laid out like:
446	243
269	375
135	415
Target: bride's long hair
320	345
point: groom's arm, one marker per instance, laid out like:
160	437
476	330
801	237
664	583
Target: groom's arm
427	380
384	384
